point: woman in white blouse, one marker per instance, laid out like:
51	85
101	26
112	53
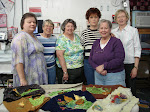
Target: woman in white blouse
130	39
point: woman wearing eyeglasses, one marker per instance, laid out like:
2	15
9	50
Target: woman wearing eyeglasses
107	56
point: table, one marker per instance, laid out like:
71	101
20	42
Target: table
55	87
5	71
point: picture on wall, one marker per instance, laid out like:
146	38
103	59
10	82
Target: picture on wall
57	27
3	20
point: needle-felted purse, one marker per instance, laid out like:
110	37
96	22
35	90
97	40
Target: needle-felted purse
13	94
26	104
67	102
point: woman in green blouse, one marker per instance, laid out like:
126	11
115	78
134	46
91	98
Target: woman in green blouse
69	53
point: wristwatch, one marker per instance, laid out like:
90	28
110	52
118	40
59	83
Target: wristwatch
65	72
136	67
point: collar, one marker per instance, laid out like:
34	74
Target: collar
125	28
92	30
68	38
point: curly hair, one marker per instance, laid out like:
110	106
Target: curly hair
93	11
66	22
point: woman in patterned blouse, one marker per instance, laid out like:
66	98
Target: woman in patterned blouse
69	53
28	62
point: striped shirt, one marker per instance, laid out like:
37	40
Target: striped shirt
49	49
88	37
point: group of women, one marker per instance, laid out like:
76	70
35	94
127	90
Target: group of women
104	56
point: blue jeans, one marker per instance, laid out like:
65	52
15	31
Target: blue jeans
110	78
51	75
88	72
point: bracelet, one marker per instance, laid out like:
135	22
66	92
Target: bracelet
136	67
65	72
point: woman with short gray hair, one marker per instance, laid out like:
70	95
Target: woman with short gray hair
69	53
48	39
107	56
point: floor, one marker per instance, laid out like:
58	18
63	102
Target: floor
143	92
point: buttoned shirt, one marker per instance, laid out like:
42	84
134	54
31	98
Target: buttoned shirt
131	42
73	54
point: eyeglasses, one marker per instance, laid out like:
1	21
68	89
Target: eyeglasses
49	26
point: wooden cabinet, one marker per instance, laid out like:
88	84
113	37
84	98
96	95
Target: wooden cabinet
144	30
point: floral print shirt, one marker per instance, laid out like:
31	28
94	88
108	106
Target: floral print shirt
73	51
29	52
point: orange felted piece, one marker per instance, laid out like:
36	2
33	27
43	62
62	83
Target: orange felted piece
101	96
23	105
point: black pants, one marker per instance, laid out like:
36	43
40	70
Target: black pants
75	75
130	83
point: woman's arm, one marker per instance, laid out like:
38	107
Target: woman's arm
98	68
20	71
18	47
60	55
94	65
137	54
135	69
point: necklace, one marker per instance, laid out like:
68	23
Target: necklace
101	50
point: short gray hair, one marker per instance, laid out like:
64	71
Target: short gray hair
66	22
49	22
106	21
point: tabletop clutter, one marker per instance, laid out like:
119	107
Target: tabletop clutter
33	97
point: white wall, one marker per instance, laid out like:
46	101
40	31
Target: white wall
59	10
14	16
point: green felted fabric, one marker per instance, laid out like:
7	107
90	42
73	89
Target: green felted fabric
95	90
12	94
25	93
85	105
38	101
55	93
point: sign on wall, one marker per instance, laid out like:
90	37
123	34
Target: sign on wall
3	20
36	11
57	28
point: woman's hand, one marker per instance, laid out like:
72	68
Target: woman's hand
20	70
65	76
23	82
104	72
60	56
133	73
100	68
112	34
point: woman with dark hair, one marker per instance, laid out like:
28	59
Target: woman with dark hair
28	62
88	36
69	53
